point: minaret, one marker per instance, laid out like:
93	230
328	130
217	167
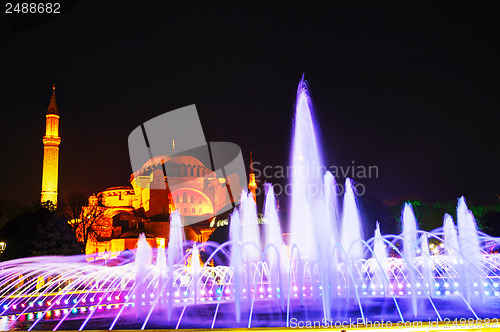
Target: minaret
51	142
252	186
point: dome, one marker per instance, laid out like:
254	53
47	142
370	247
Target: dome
186	160
170	162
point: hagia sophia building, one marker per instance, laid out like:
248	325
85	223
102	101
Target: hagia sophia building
124	212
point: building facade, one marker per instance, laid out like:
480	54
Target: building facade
125	212
114	218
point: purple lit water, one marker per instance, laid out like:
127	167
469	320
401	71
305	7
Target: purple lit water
326	271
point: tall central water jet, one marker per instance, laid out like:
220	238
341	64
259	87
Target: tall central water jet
306	179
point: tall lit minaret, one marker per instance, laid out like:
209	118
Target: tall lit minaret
252	185
51	142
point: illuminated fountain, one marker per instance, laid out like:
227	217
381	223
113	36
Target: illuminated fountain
328	270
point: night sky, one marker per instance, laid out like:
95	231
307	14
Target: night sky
412	88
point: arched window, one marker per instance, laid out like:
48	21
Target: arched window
184	197
177	199
193	210
192	199
200	211
200	201
185	210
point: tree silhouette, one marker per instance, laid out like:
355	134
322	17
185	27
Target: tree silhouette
87	221
41	232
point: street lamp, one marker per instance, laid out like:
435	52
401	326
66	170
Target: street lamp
2	248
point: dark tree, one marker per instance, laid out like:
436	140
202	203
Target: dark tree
491	223
86	221
70	206
55	237
41	232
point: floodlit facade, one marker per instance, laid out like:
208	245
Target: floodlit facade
140	208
